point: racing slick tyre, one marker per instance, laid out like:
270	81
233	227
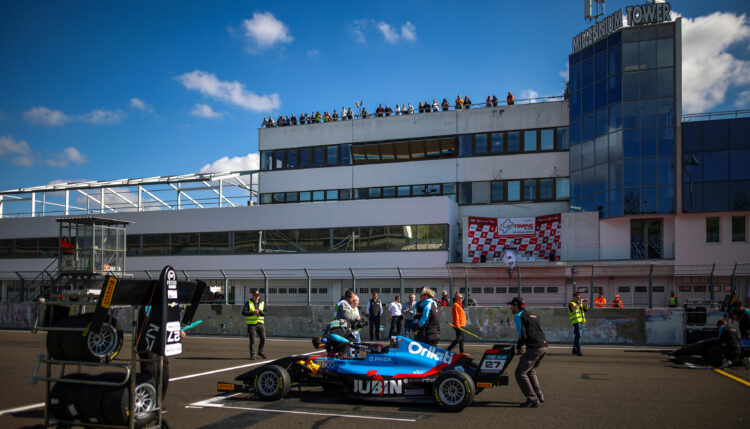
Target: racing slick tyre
54	340
272	382
453	390
115	402
63	398
100	346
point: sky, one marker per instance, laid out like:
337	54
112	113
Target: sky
93	90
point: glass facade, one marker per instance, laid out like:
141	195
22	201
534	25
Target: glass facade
622	117
715	165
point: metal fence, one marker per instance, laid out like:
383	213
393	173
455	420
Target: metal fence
639	285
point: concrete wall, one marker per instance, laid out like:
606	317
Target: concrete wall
693	249
630	326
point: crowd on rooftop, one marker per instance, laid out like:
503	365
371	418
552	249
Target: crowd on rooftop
404	109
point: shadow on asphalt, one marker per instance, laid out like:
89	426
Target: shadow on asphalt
215	358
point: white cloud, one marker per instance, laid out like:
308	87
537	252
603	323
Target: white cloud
19	150
391	36
313	54
205	111
238	163
743	99
409	32
230	92
708	69
529	94
358	28
138	104
42	115
565	73
265	31
69	155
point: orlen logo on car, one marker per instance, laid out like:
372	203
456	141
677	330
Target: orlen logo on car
377	386
441	356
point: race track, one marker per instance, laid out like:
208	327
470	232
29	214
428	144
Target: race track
608	387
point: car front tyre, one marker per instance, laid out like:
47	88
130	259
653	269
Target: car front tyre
272	382
454	390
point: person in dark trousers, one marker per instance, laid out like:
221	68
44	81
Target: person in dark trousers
427	319
374	311
395	314
530	334
577	312
254	316
459	321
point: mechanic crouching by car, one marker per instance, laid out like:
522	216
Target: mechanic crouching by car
427	319
530	334
336	338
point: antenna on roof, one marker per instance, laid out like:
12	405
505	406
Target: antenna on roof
593	9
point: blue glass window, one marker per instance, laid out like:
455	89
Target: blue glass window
389	192
602	174
632	201
601	66
648	113
692	136
333	155
615	146
630	89
666	141
587	153
615	175
575	131
589	202
666	170
601	204
665	82
587	72
648	83
575	202
715	134
332	194
514	190
615	117
575	78
465	145
739	194
648	141
601	121
649	201
587	99
715	166
666	199
278	159
648	171
589	180
305	196
614	88
631	143
562	188
514	141
615	202
692	167
630	56
739	164
497	191
266	157
547	141
666	111
318	158
589	126
575	104
304	157
692	197
562	138
615	60
529	190
716	196
345	155
632	172
319	195
405	191
630	114
498	142
739	133
601	94
601	145
665	52
480	144
575	157
575	184
648	54
529	141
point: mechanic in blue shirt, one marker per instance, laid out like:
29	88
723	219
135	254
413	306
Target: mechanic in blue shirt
427	319
336	338
530	334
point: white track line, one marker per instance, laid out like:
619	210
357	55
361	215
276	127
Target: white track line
200	374
19	409
308	413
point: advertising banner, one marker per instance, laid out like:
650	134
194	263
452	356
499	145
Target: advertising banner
531	239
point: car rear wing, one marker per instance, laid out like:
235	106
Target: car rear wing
491	371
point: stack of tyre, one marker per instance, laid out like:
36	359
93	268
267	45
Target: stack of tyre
75	399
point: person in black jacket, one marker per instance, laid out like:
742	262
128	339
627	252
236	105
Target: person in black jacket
530	334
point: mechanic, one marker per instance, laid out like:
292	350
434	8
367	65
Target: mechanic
427	318
530	334
254	317
600	301
673	299
347	309
727	350
742	316
396	316
374	311
577	311
336	338
408	311
344	298
617	302
459	321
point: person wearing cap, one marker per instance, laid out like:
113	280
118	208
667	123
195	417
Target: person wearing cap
254	316
459	321
600	301
617	302
530	334
577	309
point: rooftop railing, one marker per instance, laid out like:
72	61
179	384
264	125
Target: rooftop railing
708	116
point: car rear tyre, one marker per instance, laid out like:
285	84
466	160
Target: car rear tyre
272	382
454	390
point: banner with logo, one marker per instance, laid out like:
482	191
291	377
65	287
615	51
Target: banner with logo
532	239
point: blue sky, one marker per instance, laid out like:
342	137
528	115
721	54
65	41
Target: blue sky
108	90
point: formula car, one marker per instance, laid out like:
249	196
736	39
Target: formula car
406	371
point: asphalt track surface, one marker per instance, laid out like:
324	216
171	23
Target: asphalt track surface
607	387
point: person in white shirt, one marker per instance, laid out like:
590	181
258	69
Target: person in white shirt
395	316
435	106
411	109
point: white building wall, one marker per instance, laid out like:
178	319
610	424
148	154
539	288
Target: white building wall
693	249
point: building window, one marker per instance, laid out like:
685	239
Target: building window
623	289
712	229
500	290
514	190
739	229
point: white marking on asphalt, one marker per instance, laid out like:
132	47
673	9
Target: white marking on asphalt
19	409
308	413
200	374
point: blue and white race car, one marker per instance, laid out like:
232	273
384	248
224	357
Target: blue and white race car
407	370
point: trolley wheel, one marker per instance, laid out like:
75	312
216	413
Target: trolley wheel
115	403
453	390
90	346
272	382
63	398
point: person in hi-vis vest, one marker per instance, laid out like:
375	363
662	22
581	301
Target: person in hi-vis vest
253	312
577	311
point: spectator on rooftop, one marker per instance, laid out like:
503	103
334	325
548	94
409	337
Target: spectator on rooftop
335	116
488	102
265	122
410	111
397	111
271	123
364	113
349	114
318	118
494	101
459	103
510	99
343	113
388	110
287	121
467	102
294	119
445	105
421	107
379	111
435	106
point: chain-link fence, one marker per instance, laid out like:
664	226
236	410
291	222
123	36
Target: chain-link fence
638	285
